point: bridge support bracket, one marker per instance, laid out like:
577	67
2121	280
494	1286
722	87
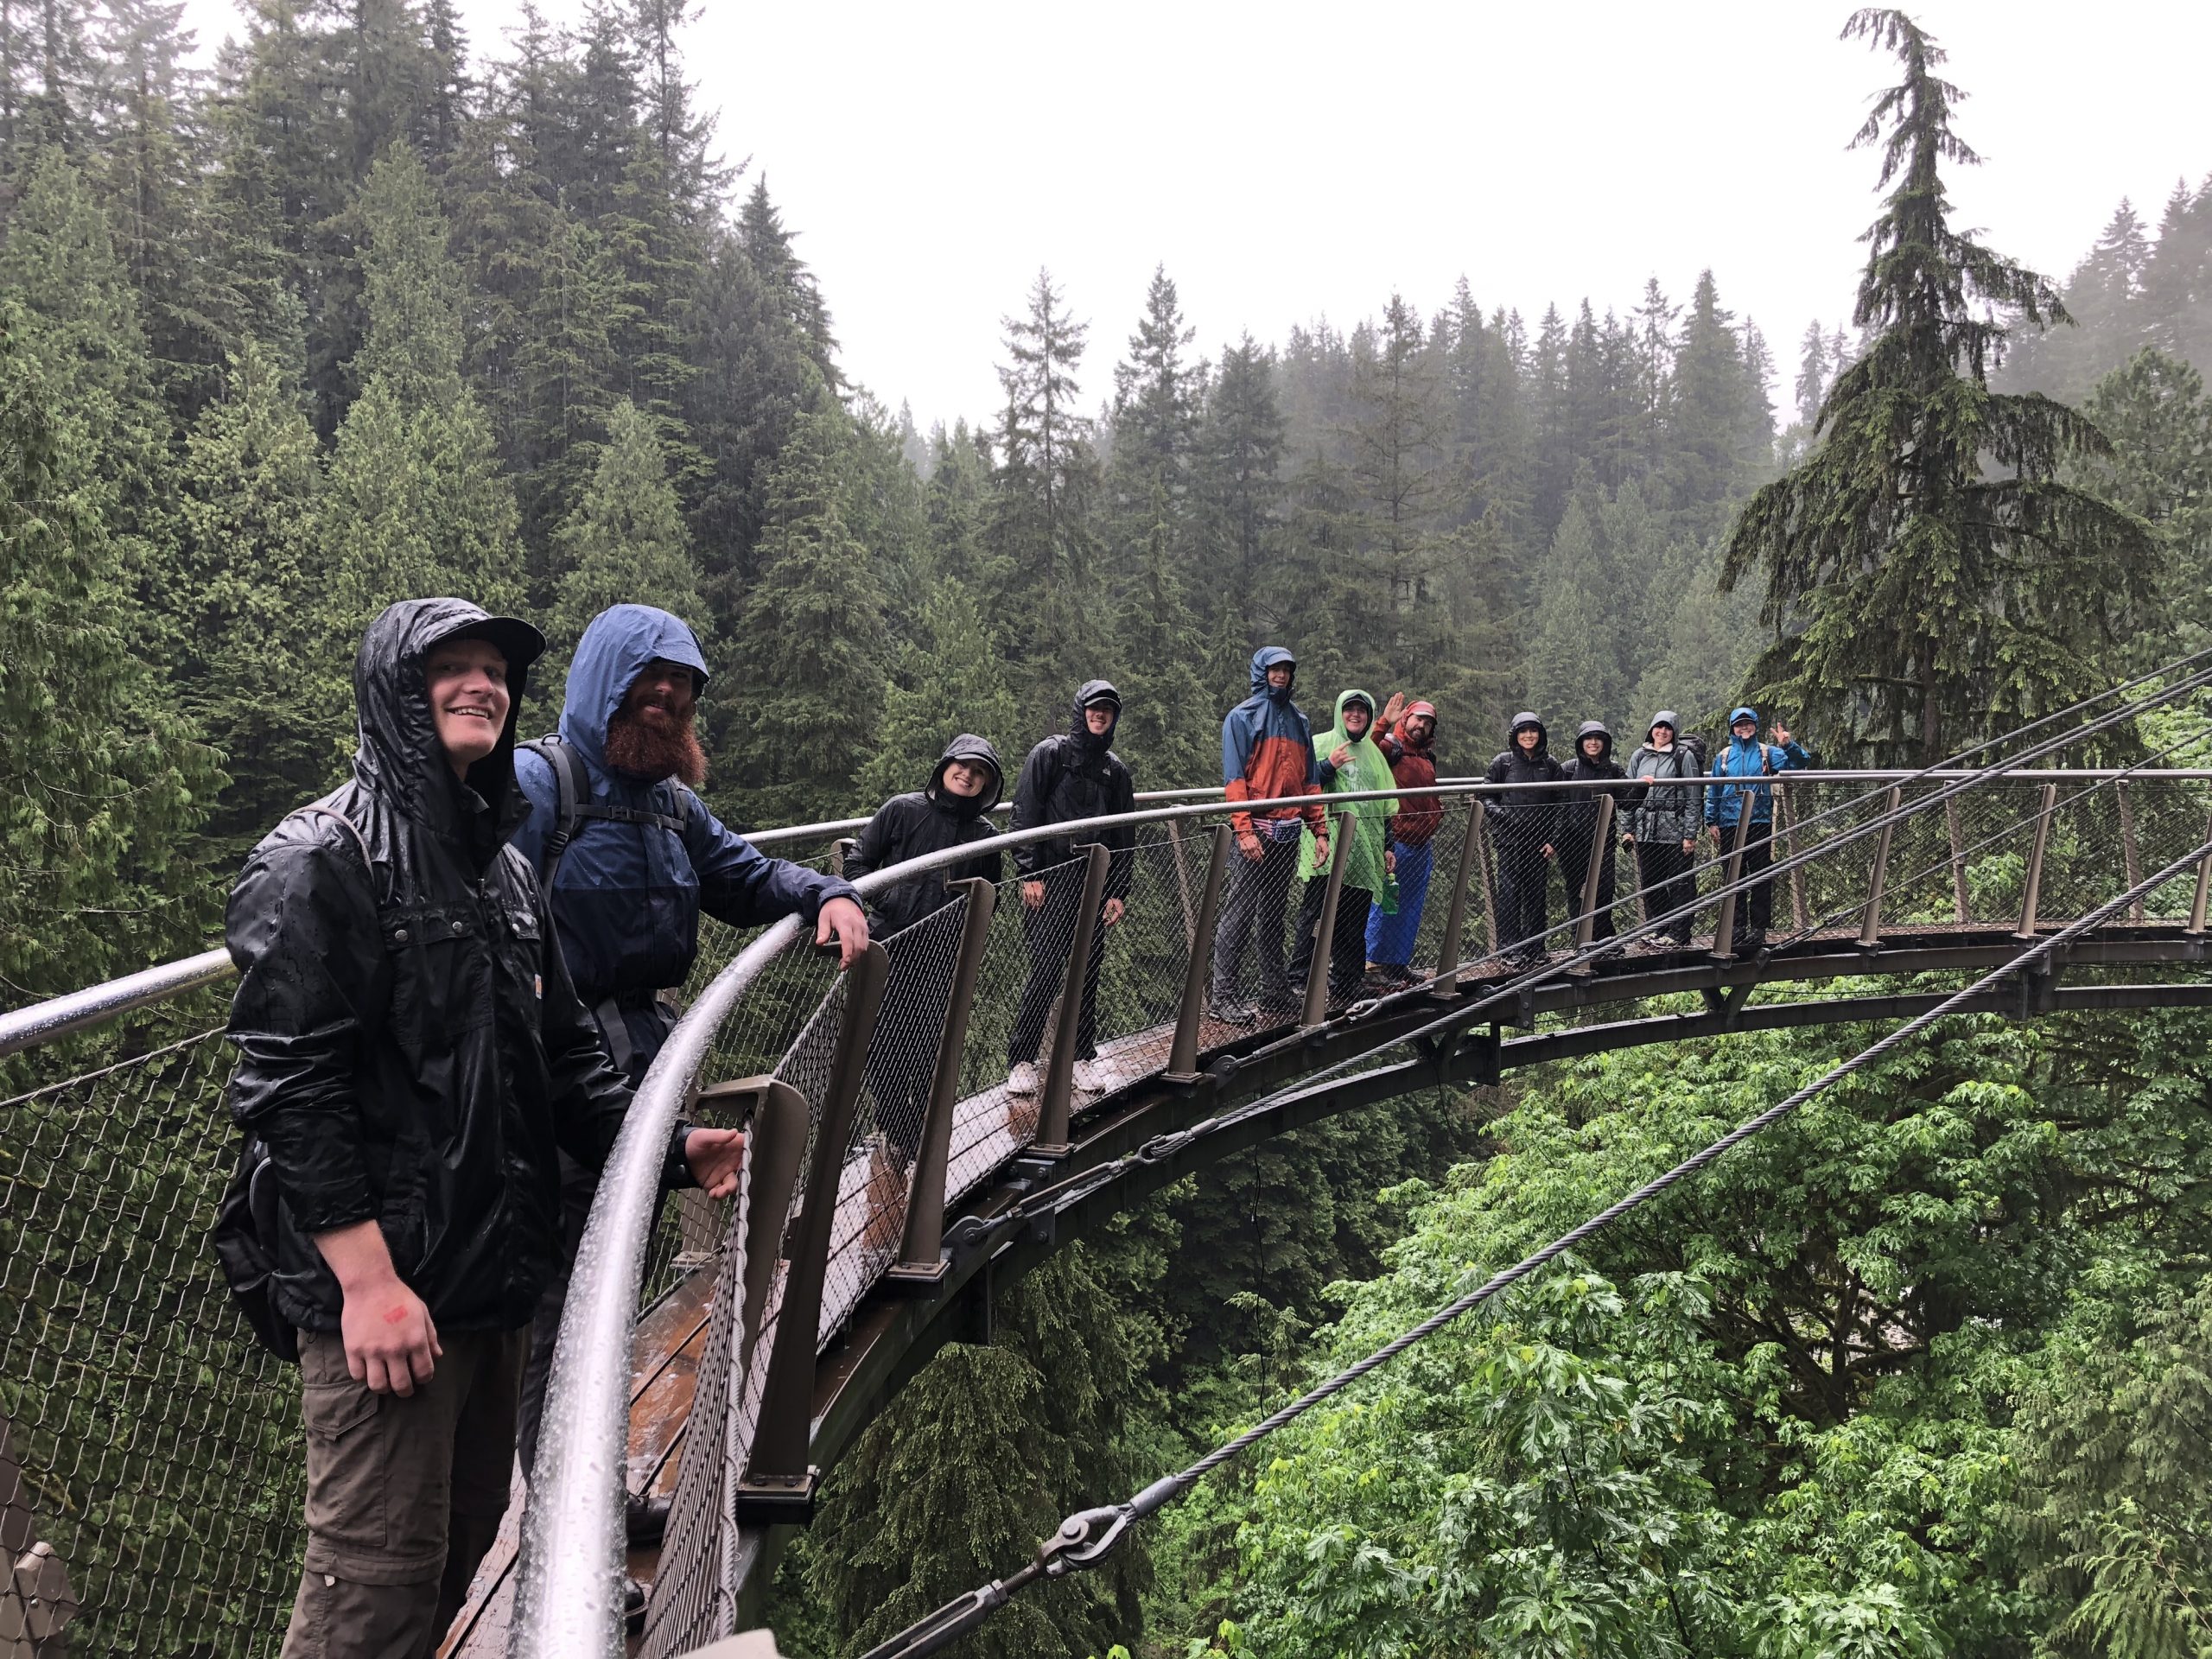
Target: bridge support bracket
916	1278
778	1500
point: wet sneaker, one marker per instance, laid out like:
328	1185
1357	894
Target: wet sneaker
1233	1013
1098	1077
1022	1080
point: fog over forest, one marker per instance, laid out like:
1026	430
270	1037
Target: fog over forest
374	302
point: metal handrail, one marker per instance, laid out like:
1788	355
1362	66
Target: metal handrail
39	1023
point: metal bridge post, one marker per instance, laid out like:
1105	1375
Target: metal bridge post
1724	930
2203	891
2032	889
775	1140
778	1484
1056	1108
1601	849
1183	1055
1325	929
921	1262
2130	853
1961	907
1785	821
1869	924
1455	916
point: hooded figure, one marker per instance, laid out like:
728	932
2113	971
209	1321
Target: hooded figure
1363	770
1348	765
1073	776
1662	822
929	820
1744	756
1578	826
1407	740
906	827
411	1053
647	855
1267	753
1524	823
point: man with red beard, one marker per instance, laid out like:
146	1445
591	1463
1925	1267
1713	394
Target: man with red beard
645	857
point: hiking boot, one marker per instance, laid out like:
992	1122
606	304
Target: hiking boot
643	1519
1233	1013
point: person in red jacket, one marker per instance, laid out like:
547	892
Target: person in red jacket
1405	737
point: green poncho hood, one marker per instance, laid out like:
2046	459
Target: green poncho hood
1364	769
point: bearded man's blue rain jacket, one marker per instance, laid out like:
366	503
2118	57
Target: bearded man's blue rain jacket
627	896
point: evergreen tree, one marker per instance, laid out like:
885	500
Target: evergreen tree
1574	660
242	600
1043	497
625	543
101	784
1930	576
2154	412
1157	397
810	644
417	503
951	678
1240	491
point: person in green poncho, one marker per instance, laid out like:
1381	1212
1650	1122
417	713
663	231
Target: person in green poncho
1350	764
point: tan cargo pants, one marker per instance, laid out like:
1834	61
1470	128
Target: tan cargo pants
404	1496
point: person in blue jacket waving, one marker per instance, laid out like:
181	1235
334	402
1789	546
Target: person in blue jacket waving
1744	756
628	856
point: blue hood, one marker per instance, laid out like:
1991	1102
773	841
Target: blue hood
1265	658
1745	712
613	651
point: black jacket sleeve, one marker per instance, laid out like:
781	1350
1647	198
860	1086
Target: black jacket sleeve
1033	792
302	926
1120	839
878	846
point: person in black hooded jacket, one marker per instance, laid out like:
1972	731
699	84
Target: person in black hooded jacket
411	1052
953	812
1068	777
1578	823
1524	829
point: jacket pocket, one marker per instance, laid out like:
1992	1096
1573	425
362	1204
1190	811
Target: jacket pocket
440	975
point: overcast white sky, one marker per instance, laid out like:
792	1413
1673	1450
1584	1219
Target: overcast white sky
1290	162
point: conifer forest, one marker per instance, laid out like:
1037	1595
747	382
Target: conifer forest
360	308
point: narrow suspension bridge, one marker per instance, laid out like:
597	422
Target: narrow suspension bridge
727	1354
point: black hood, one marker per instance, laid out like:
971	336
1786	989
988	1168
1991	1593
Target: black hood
977	751
1595	728
400	758
1522	721
1079	728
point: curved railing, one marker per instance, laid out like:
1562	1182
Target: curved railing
157	1449
1934	856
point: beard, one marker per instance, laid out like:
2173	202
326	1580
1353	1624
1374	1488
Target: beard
655	744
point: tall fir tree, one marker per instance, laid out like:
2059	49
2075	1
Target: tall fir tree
810	644
1930	577
1239	494
625	543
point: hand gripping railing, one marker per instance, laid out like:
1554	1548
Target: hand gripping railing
587	1549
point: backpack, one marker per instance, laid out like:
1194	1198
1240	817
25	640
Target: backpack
246	1216
1695	745
573	804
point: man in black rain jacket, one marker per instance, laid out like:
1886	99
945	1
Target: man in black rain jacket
1577	824
953	812
1524	828
1075	775
411	1053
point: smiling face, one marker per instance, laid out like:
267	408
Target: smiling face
965	778
1280	676
1418	729
1357	714
1099	717
467	682
1527	737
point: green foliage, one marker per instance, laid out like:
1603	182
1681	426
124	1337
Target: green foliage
102	784
625	543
